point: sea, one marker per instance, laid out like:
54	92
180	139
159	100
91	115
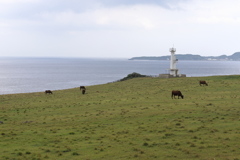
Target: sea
26	75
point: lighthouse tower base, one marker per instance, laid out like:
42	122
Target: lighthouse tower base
171	76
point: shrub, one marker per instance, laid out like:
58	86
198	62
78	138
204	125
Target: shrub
75	154
145	144
132	75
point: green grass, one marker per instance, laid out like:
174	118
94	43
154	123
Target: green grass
133	119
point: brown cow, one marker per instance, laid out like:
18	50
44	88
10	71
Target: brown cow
48	91
176	93
203	83
83	91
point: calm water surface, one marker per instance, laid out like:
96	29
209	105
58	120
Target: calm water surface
23	75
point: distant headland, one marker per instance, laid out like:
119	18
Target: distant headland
233	57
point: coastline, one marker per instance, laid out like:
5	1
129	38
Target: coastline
234	57
43	92
34	75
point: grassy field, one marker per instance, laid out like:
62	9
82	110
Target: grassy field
133	119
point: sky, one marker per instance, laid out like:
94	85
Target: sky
118	28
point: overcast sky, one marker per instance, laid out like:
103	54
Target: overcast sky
118	28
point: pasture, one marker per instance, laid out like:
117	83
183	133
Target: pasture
133	119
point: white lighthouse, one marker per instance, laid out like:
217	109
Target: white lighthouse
173	70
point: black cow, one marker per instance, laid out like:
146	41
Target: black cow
48	91
203	83
176	93
83	91
82	87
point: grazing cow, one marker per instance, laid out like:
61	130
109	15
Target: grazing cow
48	91
82	87
203	83
1	122
176	93
83	91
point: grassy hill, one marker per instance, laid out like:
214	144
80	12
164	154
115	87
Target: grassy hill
132	119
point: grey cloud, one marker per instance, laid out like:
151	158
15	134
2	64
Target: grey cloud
31	10
162	3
